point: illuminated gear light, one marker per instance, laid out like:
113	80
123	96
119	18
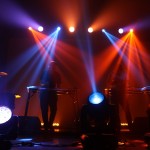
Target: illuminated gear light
96	98
5	114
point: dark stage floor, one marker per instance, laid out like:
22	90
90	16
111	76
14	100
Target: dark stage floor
67	140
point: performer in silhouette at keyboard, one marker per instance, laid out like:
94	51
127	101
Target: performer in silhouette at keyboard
119	95
50	79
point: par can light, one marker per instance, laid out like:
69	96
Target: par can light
5	114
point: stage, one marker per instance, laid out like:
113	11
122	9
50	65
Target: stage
70	140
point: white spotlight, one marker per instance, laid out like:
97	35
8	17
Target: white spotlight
58	28
131	30
90	29
103	30
5	114
30	28
40	28
120	30
71	29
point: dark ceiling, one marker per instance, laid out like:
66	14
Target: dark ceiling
128	11
121	12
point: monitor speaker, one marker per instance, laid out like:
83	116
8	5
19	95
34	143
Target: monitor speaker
29	125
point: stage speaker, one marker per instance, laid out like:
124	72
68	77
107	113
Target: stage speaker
29	125
9	129
140	125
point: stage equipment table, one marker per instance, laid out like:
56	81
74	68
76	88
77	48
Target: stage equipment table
129	91
72	92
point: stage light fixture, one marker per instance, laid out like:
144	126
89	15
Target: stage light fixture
98	123
94	114
30	28
58	28
103	30
8	122
131	30
90	29
96	98
5	114
120	31
40	28
71	29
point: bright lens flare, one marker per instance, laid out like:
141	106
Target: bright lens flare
103	30
71	29
40	29
90	29
120	30
5	114
30	28
131	30
58	28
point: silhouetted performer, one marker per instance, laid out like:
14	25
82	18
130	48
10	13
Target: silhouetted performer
119	95
48	98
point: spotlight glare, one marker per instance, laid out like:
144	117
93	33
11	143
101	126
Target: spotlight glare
90	29
58	28
71	29
120	30
103	30
30	28
5	114
40	28
131	30
96	98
